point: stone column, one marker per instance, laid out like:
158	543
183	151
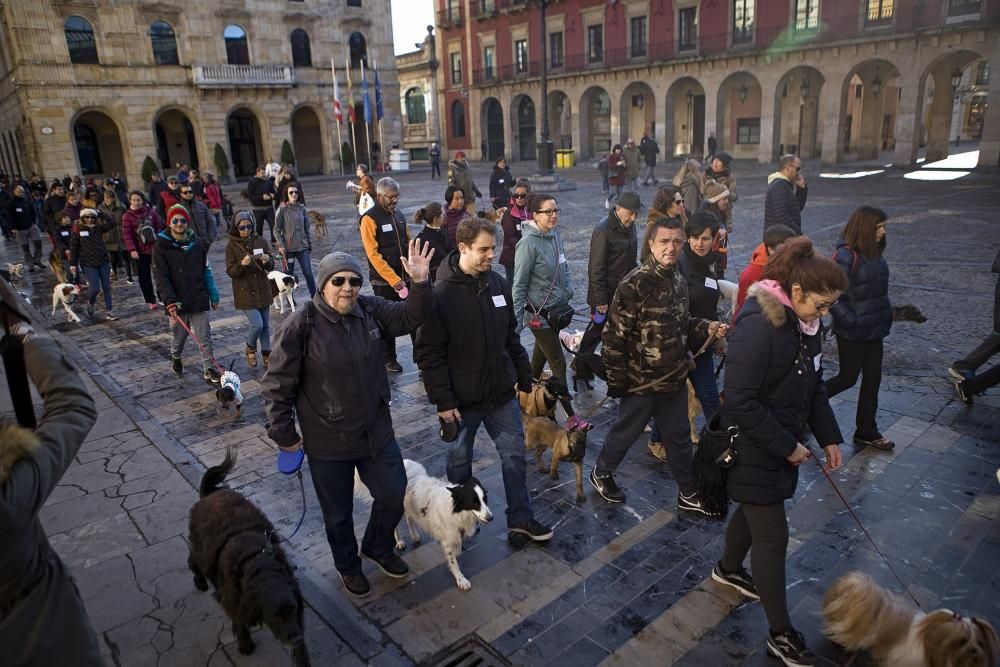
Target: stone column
711	122
765	151
908	122
830	130
939	116
869	138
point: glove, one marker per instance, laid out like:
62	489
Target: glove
616	391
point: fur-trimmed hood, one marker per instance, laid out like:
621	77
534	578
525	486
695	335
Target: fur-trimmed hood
16	443
770	305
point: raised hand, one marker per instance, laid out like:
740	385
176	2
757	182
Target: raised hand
418	265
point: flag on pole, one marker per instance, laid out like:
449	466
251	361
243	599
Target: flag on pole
336	95
379	109
364	95
350	96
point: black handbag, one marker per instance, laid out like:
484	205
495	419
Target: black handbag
558	317
715	455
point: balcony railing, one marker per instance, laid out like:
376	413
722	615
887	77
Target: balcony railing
451	17
484	9
243	76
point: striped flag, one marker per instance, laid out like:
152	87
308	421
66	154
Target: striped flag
336	95
379	109
350	96
364	95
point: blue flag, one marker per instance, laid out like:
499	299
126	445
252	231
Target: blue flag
368	106
379	109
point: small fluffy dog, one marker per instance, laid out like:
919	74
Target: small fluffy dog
541	433
319	224
229	391
15	271
541	400
285	284
235	547
65	294
860	614
448	512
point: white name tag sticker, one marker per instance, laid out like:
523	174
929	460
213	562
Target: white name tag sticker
84	233
562	258
499	301
387	227
818	361
518	226
711	283
65	233
258	251
21	210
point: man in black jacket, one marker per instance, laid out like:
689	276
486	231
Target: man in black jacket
786	195
471	356
21	212
186	285
613	249
261	192
327	371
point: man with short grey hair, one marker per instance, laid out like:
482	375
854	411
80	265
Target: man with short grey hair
786	195
385	238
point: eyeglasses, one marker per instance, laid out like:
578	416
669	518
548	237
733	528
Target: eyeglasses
548	211
390	197
520	195
293	192
88	217
678	201
822	306
186	192
243	228
178	221
354	281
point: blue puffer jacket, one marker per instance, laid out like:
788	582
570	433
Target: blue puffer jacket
863	312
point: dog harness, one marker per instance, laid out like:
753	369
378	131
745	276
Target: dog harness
232	380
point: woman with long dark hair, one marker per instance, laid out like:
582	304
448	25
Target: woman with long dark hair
773	388
501	182
291	234
862	319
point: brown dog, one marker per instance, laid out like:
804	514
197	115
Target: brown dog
540	401
319	224
234	546
541	433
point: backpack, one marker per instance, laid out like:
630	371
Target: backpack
854	260
146	232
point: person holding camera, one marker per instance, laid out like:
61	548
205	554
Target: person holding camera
43	620
468	363
542	290
248	261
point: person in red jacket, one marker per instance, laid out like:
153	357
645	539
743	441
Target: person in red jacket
212	196
616	175
135	220
774	236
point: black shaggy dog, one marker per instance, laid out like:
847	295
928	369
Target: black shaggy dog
235	547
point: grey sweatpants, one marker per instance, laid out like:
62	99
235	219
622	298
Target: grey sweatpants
670	413
198	324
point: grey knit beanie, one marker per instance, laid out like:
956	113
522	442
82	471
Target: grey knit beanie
336	262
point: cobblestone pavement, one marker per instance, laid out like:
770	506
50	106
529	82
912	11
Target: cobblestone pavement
618	585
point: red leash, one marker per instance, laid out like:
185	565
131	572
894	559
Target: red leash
862	526
195	339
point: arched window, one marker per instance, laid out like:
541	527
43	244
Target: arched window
164	43
237	48
416	113
457	119
359	49
301	53
80	41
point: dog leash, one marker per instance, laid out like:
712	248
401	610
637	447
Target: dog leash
195	339
302	517
854	516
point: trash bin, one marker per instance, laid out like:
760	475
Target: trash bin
564	158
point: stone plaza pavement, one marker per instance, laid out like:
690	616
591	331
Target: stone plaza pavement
617	585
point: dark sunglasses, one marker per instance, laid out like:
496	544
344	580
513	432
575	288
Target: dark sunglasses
520	195
243	228
88	217
293	192
678	201
338	281
178	221
187	192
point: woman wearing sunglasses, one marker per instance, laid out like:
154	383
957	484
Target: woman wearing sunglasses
248	260
291	234
516	215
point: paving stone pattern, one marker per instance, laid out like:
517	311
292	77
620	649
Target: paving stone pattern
618	585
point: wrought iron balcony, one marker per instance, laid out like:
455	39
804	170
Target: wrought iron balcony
243	76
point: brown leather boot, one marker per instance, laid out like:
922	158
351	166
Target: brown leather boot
265	355
251	353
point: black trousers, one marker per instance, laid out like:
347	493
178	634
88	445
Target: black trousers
860	358
262	214
588	345
144	266
765	529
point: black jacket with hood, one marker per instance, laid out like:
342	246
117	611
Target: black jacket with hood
469	350
863	312
613	248
773	388
182	274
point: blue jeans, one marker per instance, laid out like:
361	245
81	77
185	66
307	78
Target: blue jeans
385	477
99	279
504	426
259	327
705	388
302	259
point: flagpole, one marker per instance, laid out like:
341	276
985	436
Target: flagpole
338	116
350	114
381	137
368	128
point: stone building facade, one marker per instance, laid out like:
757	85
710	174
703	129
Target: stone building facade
418	89
836	79
95	86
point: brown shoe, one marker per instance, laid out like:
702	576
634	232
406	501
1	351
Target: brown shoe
251	353
658	450
265	356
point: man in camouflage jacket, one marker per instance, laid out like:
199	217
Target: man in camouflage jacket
648	344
